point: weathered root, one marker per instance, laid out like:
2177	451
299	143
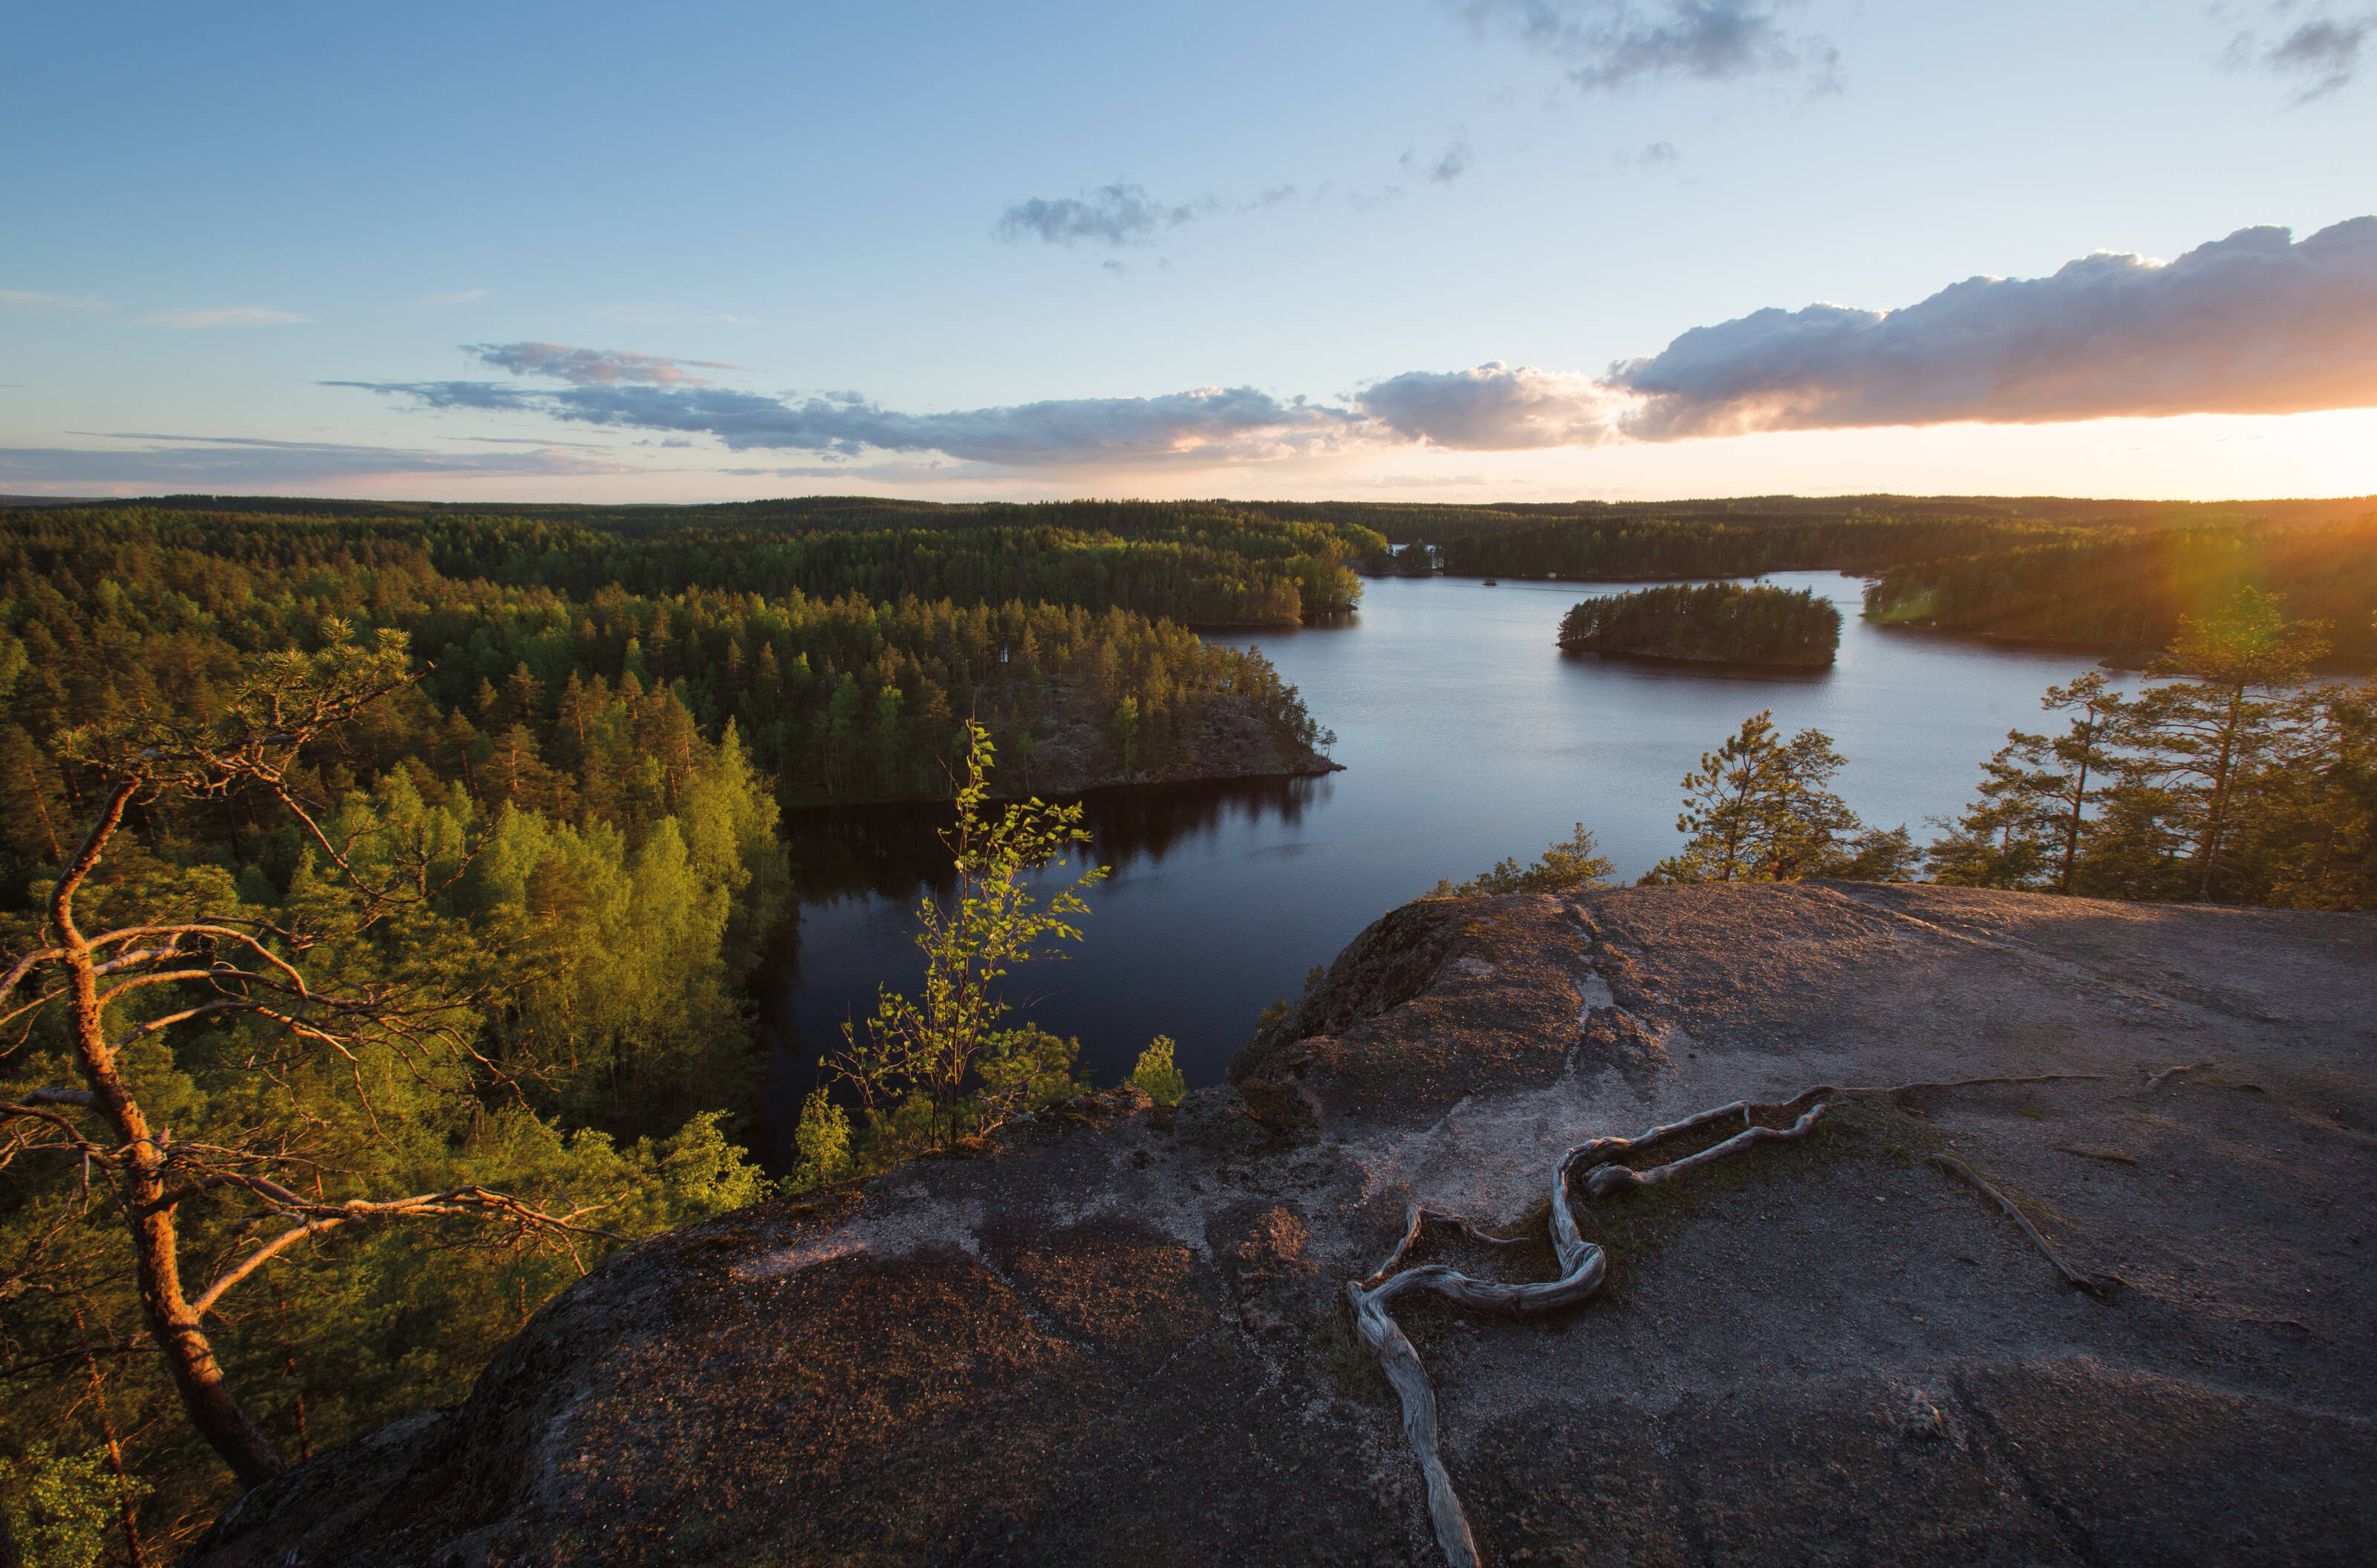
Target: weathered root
1583	1265
1603	1180
2156	1079
2101	1286
1582	1269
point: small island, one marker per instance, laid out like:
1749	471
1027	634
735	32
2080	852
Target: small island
1717	623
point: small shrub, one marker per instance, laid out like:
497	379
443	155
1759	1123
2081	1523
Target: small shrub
822	1143
1157	1074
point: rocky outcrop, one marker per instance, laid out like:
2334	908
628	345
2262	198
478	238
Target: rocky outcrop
1222	737
1121	1338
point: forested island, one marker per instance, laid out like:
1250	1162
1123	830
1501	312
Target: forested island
1716	623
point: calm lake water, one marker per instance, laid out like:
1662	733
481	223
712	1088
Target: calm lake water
1466	735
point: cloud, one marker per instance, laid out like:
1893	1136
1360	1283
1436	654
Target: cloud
233	463
1611	44
592	367
48	304
233	316
882	473
2251	324
459	296
1493	408
1657	154
1213	421
1118	214
1450	166
2321	53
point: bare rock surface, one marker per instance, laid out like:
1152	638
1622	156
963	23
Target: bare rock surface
1121	1338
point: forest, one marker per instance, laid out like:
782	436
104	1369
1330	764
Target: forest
2127	591
2112	575
1721	622
444	988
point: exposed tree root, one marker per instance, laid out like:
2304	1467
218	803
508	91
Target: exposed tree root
2113	1155
1582	1265
2101	1286
2154	1080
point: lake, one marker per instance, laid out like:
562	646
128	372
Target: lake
1467	737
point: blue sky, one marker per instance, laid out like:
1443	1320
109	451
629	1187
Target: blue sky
959	251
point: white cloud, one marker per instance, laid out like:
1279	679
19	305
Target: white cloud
1493	408
459	296
48	304
2251	324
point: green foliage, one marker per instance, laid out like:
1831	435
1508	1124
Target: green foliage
1574	865
1759	810
820	1143
56	1509
941	1068
2230	779
2024	830
552	643
2136	588
557	1019
1154	1072
1722	621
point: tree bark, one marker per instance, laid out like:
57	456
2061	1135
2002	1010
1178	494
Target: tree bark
173	1322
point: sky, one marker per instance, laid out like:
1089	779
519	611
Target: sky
1442	250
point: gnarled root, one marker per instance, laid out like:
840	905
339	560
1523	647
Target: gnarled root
1582	1265
1583	1268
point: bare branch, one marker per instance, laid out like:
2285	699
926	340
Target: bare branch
257	1259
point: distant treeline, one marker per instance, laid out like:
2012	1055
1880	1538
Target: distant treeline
1614	549
2119	578
2130	589
1725	622
1407	522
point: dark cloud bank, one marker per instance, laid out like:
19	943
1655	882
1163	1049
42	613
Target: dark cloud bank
2254	323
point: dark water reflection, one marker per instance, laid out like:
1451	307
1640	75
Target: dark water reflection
1467	737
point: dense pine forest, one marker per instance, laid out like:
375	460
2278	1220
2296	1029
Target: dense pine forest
519	892
1723	622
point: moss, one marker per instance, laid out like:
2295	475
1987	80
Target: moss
1347	1360
1635	1224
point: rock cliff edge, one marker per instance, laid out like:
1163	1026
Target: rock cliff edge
1123	1339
